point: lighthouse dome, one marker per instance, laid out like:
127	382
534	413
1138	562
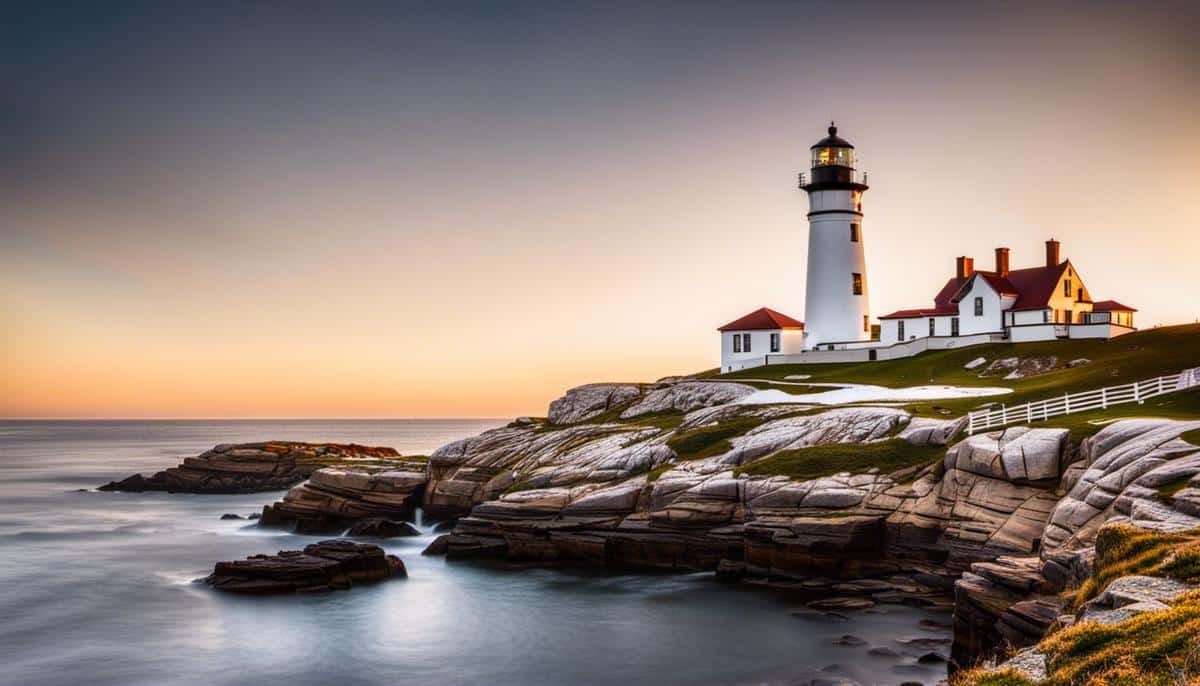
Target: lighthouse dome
833	140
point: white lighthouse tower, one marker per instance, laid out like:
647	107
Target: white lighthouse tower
835	305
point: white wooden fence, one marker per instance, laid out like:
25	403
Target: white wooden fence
1070	403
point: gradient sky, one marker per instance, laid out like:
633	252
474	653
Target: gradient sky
460	209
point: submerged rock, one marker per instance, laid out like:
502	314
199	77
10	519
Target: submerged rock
250	467
324	566
382	528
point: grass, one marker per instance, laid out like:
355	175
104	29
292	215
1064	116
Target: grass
1133	357
1167	491
1124	550
1151	649
825	460
1193	436
710	440
1155	648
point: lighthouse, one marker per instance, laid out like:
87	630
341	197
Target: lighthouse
835	306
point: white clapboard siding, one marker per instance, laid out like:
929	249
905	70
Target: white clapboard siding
1070	403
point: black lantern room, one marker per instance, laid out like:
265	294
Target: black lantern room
833	165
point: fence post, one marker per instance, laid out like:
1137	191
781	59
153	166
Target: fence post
1104	397
1136	399
1066	403
1029	412
1003	415
1160	385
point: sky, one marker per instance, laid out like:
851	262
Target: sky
460	209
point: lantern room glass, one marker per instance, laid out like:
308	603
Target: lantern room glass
833	156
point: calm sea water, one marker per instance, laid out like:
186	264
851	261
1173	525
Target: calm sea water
97	588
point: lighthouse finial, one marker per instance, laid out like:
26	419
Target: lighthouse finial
832	128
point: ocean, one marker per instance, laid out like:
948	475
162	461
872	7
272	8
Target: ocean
99	588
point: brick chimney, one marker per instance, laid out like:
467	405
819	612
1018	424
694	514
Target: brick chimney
1052	253
1002	261
964	267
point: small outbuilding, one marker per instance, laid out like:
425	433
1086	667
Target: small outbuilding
747	341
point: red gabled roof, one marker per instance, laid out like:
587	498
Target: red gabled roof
1033	288
945	297
1036	285
998	283
762	318
921	312
1111	306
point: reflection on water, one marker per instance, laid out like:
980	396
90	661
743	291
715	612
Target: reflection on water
97	588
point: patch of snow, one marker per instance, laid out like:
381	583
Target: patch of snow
797	377
974	363
858	393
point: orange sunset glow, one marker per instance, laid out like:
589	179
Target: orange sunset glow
463	222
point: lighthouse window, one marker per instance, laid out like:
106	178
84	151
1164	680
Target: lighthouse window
856	282
854	233
841	157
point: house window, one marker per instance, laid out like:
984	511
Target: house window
1079	294
1045	316
745	342
854	233
737	342
978	307
931	326
1067	288
856	283
954	326
774	342
900	330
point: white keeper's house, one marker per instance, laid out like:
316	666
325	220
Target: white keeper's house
1044	302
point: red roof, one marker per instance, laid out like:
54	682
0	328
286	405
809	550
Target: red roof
1033	288
762	318
1111	306
926	312
1036	285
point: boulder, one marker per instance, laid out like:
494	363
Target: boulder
585	402
686	396
323	566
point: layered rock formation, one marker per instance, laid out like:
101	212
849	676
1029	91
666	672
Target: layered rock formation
324	566
1135	471
252	467
335	498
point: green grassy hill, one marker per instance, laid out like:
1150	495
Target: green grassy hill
1129	358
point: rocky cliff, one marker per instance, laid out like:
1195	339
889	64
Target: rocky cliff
680	476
